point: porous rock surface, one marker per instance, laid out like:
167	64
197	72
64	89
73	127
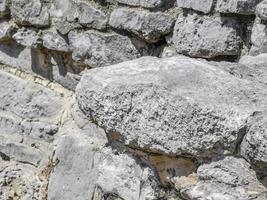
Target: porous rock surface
133	100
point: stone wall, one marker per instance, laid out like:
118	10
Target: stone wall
133	99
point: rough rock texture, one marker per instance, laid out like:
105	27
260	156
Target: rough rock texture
30	12
261	10
146	3
254	145
150	26
150	128
99	49
204	6
149	103
83	13
230	178
6	31
246	7
207	37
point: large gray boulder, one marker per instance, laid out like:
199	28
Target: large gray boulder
229	178
79	12
30	13
203	36
147	25
204	6
174	105
98	49
246	7
254	145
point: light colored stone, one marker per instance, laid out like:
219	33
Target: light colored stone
229	178
19	181
7	30
174	105
206	37
52	40
4	10
254	145
258	38
79	12
204	6
146	3
261	10
27	100
30	12
245	7
98	49
28	37
147	25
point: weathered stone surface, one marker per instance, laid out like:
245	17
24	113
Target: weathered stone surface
122	175
28	37
79	12
173	105
204	6
258	38
261	10
100	49
146	3
147	25
4	10
203	36
84	165
27	100
254	145
30	13
246	7
52	40
20	182
26	59
7	30
230	178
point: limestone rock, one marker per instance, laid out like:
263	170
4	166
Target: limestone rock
203	36
25	59
246	7
74	175
254	145
146	3
230	178
27	100
147	25
28	37
4	9
121	175
204	6
258	38
19	181
52	40
174	105
100	49
7	30
79	12
30	12
261	10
